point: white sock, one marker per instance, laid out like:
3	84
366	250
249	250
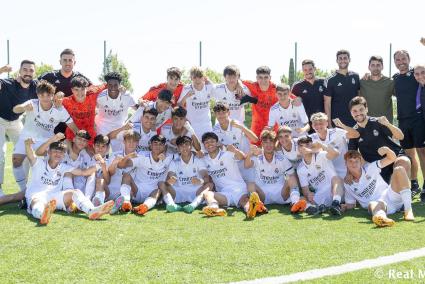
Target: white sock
198	199
150	202
125	191
406	196
294	195
213	204
89	189
83	203
168	199
20	177
337	198
67	183
101	196
381	212
37	209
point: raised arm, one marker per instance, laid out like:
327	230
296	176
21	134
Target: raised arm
29	151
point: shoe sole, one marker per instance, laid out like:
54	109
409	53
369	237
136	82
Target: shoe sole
47	213
126	209
188	211
104	209
335	211
254	202
299	206
382	222
139	211
117	205
212	212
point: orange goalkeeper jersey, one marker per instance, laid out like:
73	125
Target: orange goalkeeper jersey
260	110
153	92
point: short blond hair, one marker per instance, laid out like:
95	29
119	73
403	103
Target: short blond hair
282	88
318	116
268	135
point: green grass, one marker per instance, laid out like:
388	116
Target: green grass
179	248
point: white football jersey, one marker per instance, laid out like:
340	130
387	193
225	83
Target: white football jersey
148	172
272	173
318	174
224	170
198	108
144	137
39	123
369	188
116	179
83	161
112	113
44	178
186	171
160	119
293	155
167	132
223	94
292	116
336	138
232	136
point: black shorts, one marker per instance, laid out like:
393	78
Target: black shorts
387	171
414	132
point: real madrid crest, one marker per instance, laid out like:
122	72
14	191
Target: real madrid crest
318	167
221	163
320	89
368	177
353	81
276	170
375	132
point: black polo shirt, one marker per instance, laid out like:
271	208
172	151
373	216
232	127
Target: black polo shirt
12	94
342	88
61	83
373	136
406	87
311	95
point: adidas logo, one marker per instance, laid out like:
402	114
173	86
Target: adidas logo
339	84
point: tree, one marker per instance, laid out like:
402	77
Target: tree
39	70
299	76
112	64
291	73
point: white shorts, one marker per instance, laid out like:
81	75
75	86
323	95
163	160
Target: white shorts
233	194
248	175
273	194
323	195
392	199
46	196
185	193
143	191
20	145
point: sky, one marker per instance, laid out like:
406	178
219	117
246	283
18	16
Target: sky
150	36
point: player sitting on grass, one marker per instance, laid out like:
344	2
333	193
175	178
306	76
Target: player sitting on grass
144	127
180	126
231	190
44	192
365	185
150	168
284	112
233	132
275	179
318	178
187	179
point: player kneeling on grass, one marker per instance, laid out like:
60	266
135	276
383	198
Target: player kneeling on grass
318	178
187	179
231	189
149	169
270	170
365	185
44	192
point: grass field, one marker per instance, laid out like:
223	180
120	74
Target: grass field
181	248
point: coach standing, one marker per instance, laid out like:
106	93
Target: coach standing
341	87
14	92
409	114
